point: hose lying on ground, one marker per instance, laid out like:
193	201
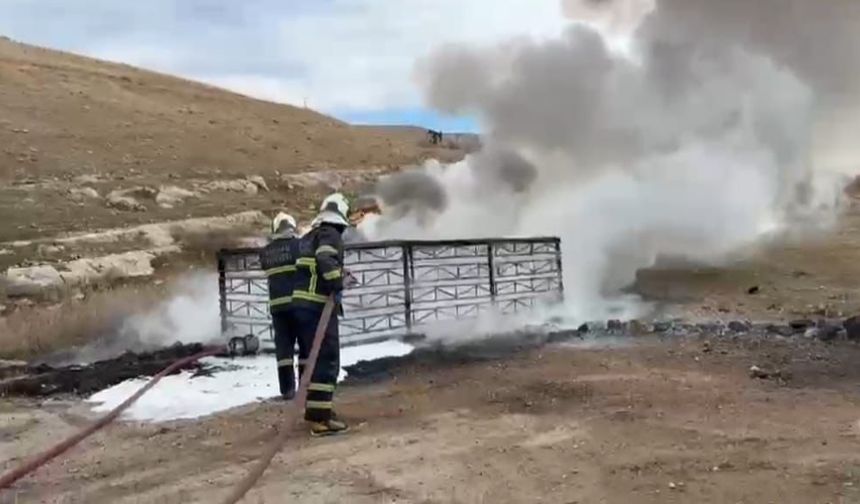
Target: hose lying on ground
8	479
257	471
43	458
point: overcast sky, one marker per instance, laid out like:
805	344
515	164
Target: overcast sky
350	58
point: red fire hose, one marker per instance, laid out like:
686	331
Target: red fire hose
43	458
257	471
248	482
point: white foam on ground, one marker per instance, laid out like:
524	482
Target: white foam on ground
246	380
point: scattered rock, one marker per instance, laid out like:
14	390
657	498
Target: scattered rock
765	374
258	181
5	251
753	290
125	203
739	327
615	326
322	180
780	330
123	200
134	264
812	333
852	328
662	327
238	185
831	333
32	281
710	328
638	328
86	179
46	250
83	193
170	196
801	325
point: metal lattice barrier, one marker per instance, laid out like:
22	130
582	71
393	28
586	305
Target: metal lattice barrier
404	285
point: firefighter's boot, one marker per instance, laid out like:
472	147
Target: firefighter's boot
328	428
287	382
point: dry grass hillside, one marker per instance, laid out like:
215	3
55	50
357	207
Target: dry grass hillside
69	122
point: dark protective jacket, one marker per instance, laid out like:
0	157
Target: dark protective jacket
319	268
278	260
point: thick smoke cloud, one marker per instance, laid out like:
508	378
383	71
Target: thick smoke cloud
698	141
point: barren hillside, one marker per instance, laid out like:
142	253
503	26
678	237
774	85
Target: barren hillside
67	121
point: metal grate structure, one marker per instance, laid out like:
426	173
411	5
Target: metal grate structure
404	285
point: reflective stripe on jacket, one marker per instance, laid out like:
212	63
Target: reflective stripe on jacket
278	261
319	269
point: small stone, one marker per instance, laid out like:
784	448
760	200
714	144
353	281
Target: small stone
757	372
259	181
46	250
755	289
637	327
662	327
739	327
710	328
852	328
615	325
801	325
83	193
122	200
780	330
831	333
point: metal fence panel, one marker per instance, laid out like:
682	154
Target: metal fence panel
404	285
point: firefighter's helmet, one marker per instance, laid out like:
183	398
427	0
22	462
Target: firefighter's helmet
334	210
282	219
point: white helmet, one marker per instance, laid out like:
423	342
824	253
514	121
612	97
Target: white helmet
334	210
283	218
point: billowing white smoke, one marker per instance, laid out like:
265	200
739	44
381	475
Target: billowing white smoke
189	314
682	148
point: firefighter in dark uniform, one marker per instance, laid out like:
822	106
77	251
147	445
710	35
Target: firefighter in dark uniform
320	274
278	260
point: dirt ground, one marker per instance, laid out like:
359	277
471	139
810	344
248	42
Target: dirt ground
648	422
644	420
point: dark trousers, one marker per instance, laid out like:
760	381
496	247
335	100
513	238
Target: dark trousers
285	343
304	321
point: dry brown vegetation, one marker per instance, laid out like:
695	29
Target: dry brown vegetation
64	116
69	115
34	331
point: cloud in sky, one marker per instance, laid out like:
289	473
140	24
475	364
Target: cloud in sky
353	58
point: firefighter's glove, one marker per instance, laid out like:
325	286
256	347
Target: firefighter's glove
350	280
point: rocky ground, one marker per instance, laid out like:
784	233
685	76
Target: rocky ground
650	419
751	397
